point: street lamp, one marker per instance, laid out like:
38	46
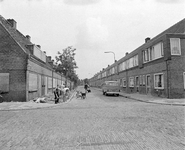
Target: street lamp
112	53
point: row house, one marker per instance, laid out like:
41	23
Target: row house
157	67
25	70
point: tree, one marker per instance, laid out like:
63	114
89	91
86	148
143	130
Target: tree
66	63
86	81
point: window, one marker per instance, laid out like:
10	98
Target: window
49	82
124	82
112	70
136	60
158	81
4	82
115	69
175	46
131	82
103	74
143	79
148	81
140	79
153	53
126	64
54	83
122	66
33	82
137	81
131	62
157	51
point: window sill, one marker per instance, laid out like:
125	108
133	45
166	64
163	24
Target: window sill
158	88
4	92
32	91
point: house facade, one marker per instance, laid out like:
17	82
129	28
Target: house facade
25	70
157	67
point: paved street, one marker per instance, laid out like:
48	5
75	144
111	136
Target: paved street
96	123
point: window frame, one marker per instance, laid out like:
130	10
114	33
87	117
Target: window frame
124	81
140	80
130	82
157	74
179	44
144	80
149	53
31	87
137	85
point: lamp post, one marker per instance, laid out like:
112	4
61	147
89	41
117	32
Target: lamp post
112	53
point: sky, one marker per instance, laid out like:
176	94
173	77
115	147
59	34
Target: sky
93	27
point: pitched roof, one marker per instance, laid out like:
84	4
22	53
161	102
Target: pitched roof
19	38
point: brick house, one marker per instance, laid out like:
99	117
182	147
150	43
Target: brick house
25	70
157	67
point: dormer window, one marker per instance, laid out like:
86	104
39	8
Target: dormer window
35	50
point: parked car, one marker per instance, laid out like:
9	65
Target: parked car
111	87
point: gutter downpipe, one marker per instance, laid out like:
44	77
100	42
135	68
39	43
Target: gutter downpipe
168	84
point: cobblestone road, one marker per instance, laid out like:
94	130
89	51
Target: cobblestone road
96	123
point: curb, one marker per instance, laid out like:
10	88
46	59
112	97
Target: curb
129	97
54	105
175	104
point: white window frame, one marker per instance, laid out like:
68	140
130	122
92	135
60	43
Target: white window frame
155	50
161	79
140	80
144	79
130	82
149	54
179	46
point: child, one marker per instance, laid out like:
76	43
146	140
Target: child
83	93
56	93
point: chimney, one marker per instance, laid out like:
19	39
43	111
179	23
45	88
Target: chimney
28	38
126	53
50	61
13	23
39	46
147	39
49	57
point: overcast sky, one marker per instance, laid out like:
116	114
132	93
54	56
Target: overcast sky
92	26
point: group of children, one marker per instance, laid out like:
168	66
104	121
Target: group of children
83	92
61	91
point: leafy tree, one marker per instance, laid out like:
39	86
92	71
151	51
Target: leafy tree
66	63
86	81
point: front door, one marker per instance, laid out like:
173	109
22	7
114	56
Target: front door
43	85
137	84
148	84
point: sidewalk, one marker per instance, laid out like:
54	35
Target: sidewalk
152	99
6	106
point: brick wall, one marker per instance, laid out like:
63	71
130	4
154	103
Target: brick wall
13	61
177	67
